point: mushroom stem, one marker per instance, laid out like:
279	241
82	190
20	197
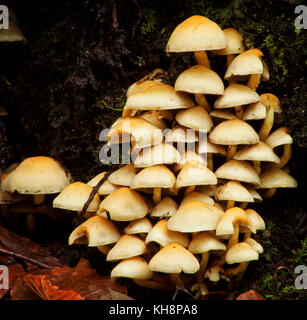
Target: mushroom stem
200	288
267	124
38	199
189	189
234	237
210	161
238	271
203	265
156	197
257	167
254	81
30	223
202	58
202	101
152	284
243	205
230	152
239	112
269	193
230	57
284	159
103	249
230	204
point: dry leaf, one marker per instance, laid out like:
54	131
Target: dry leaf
250	295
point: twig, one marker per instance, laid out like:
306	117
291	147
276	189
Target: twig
22	257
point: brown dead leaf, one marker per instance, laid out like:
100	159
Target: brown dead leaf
46	291
110	294
250	295
81	280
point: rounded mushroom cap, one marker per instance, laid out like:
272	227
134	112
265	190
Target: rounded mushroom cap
199	79
127	246
241	252
233	132
256	195
194	173
269	99
209	190
141	86
235	43
158	97
196	118
205	242
159	154
255	111
187	157
123	176
162	235
246	63
124	204
157	176
230	217
195	216
238	170
233	190
133	268
95	231
74	196
197	196
257	152
138	130
222	114
155	118
106	188
197	33
142	225
181	134
255	219
276	178
36	175
279	137
254	244
165	208
209	147
174	258
236	95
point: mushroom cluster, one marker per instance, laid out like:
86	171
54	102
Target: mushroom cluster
202	150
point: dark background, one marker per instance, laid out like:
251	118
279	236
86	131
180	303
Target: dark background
68	83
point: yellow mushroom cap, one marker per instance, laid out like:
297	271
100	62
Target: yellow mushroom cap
181	134
235	43
133	268
141	86
197	33
196	118
155	118
209	190
236	95
276	178
222	114
241	252
165	208
95	231
74	196
124	204
257	152
256	195
255	111
199	79
174	258
142	225
187	157
233	190
195	173
246	63
127	246
36	175
13	33
157	176
238	170
254	244
230	217
197	196
138	130
195	216
233	132
159	154
158	97
279	137
162	235
123	176
106	188
205	242
255	219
